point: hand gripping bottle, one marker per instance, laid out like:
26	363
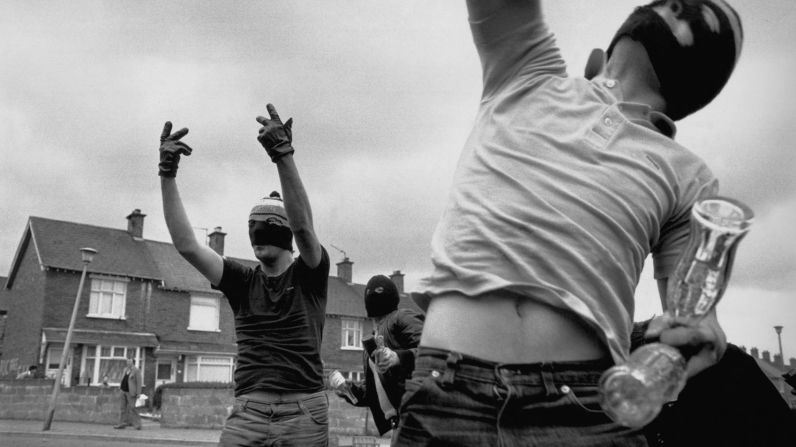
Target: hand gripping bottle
633	393
338	383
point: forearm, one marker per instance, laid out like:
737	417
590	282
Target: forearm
177	221
299	212
296	201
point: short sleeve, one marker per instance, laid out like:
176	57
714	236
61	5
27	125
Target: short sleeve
675	232
234	282
316	279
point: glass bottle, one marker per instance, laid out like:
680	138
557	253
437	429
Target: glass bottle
633	393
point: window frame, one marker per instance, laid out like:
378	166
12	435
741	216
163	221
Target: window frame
217	306
94	353
96	294
198	361
354	376
358	333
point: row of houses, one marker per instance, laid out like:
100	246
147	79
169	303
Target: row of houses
142	299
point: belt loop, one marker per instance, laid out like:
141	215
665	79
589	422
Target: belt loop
451	366
547	379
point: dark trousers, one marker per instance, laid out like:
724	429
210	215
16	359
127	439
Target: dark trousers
127	412
301	420
456	400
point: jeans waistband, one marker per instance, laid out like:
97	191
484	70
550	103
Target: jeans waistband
450	366
272	397
464	359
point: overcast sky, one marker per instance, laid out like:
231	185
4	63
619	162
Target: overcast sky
383	94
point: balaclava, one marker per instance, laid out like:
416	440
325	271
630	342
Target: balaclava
268	223
693	46
381	296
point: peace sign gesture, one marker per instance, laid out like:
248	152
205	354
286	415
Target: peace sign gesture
276	137
170	150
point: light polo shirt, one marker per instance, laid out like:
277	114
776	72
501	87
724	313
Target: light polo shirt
562	188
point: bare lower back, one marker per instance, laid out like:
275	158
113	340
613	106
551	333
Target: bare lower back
507	328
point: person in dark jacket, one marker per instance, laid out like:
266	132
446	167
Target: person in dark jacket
731	404
392	361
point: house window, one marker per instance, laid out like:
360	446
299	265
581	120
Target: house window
204	313
354	376
106	364
108	297
203	368
352	334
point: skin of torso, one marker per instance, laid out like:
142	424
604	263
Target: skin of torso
506	328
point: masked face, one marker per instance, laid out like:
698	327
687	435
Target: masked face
270	233
692	45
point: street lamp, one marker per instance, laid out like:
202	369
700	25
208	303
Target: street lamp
87	255
779	337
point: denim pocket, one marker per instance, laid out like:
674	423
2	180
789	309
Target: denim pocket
316	408
413	387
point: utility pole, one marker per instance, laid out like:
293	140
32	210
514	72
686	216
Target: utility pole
87	255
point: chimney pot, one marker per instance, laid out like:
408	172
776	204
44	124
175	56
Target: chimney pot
345	270
398	278
135	224
215	240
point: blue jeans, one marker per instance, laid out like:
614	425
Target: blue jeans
295	420
456	400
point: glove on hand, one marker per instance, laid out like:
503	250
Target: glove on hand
170	149
275	137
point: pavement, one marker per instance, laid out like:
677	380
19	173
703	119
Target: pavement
151	432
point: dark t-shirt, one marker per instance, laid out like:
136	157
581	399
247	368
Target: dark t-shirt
279	325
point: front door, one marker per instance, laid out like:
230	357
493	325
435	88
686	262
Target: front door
165	371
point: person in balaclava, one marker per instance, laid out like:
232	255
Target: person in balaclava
279	305
564	187
396	336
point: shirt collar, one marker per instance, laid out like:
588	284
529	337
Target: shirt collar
641	114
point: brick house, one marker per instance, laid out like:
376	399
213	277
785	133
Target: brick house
142	299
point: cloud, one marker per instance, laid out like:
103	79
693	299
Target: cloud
383	95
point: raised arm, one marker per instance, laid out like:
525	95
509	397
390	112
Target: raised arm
208	262
277	139
513	42
481	9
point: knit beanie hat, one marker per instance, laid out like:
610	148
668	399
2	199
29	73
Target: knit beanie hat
269	209
693	46
381	296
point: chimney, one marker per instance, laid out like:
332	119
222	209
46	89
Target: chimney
755	353
345	270
398	278
216	240
767	356
135	224
792	362
778	361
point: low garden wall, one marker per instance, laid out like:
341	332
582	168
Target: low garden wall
30	398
